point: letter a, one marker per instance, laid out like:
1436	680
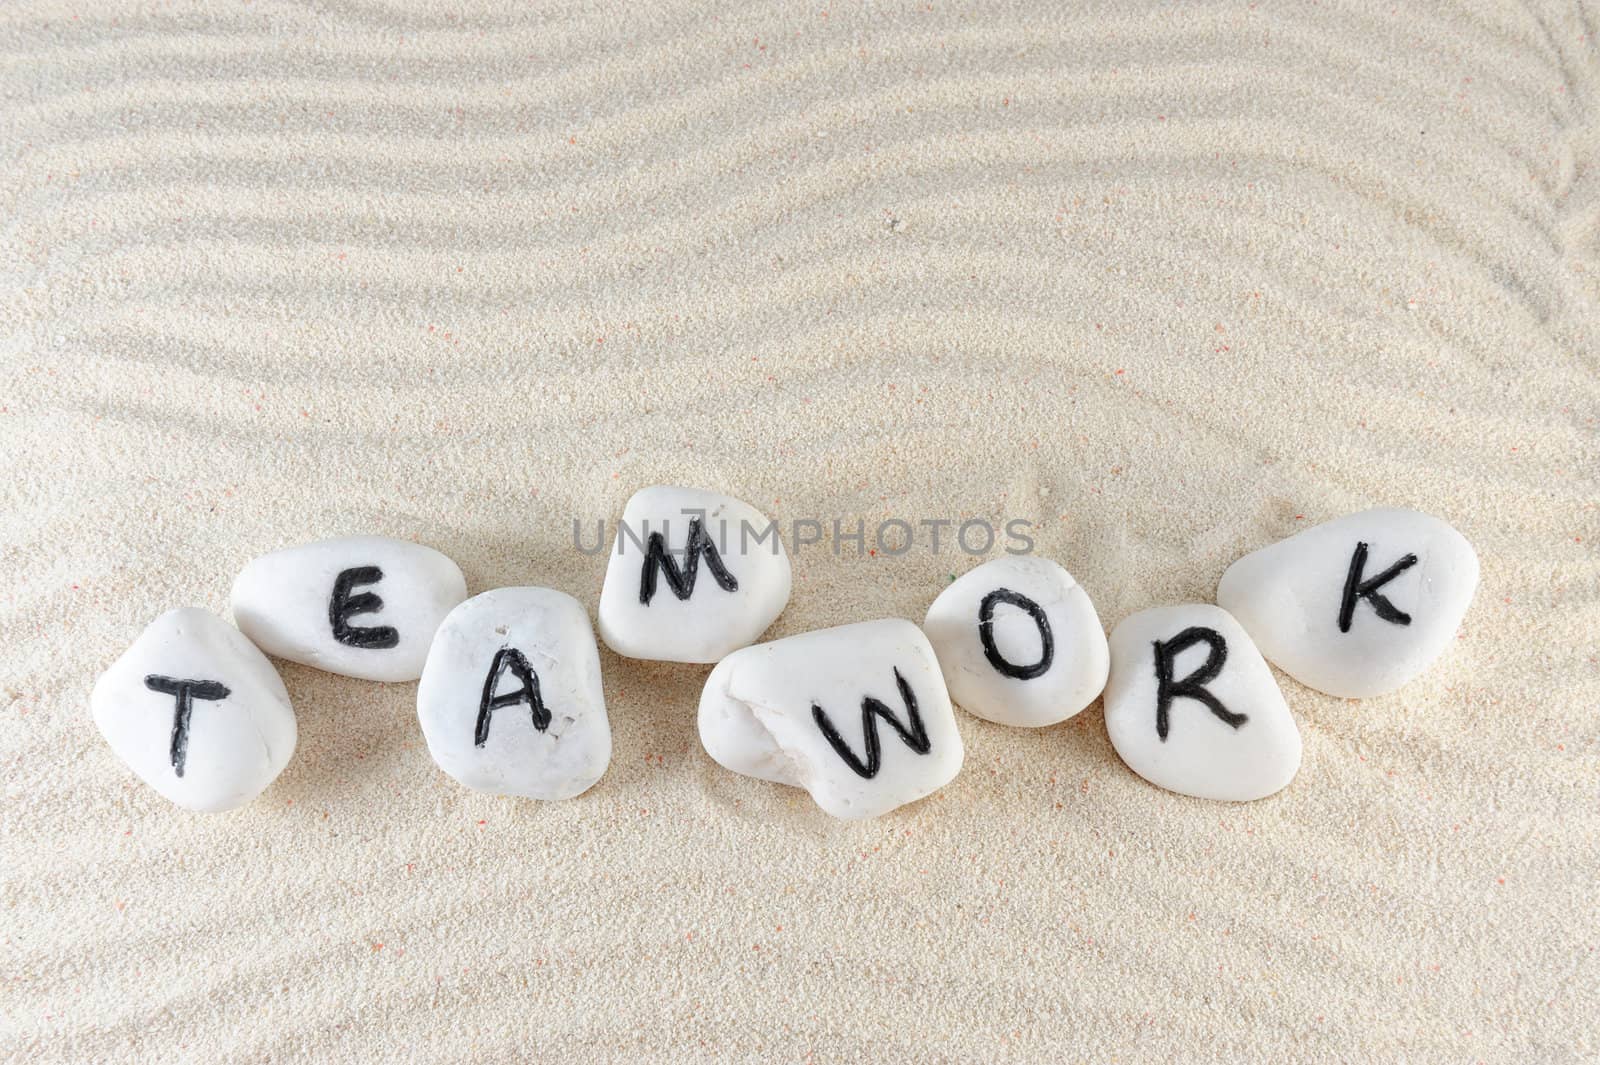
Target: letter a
512	659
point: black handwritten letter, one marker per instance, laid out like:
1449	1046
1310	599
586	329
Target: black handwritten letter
986	634
1355	588
343	606
913	733
1192	686
512	659
186	692
681	581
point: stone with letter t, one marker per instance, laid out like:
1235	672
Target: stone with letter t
197	712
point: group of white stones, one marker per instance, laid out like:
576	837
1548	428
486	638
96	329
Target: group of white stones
860	716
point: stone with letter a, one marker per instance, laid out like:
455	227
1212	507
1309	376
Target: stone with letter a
511	701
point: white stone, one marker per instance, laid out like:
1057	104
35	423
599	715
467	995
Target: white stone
701	604
1292	597
1035	656
213	743
516	635
765	708
286	602
1202	754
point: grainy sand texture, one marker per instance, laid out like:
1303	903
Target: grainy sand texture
1169	280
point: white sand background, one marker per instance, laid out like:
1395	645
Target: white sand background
1170	280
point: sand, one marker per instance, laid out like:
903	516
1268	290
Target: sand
1170	281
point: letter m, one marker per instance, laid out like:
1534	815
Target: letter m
659	560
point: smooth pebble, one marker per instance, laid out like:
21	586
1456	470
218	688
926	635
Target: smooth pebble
1357	606
1192	707
1019	642
361	606
709	578
197	712
511	700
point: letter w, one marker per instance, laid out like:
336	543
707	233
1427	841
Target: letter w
914	734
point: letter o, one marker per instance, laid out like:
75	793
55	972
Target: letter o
905	546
